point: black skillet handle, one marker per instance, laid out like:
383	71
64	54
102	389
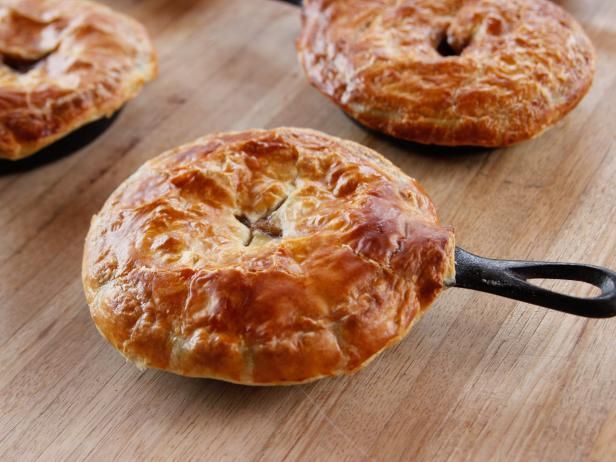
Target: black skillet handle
510	279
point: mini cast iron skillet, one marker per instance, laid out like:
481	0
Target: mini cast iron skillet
509	278
328	254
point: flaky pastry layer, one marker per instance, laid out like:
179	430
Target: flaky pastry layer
264	257
65	63
448	72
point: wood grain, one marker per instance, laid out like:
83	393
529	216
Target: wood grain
479	378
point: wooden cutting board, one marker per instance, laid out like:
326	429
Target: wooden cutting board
479	378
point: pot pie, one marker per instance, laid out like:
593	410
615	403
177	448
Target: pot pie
264	258
448	72
65	63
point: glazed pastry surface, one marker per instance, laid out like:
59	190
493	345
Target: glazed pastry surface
448	72
65	63
264	257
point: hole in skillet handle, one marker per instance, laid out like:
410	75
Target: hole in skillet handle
567	287
509	278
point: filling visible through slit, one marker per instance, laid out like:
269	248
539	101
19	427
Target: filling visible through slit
263	224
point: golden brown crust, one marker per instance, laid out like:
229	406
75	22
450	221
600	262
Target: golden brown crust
523	65
264	257
65	63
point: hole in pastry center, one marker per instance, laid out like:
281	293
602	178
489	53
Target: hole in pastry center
267	227
263	224
22	65
243	219
445	49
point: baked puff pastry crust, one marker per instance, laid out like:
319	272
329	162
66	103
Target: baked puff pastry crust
264	258
448	72
65	63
